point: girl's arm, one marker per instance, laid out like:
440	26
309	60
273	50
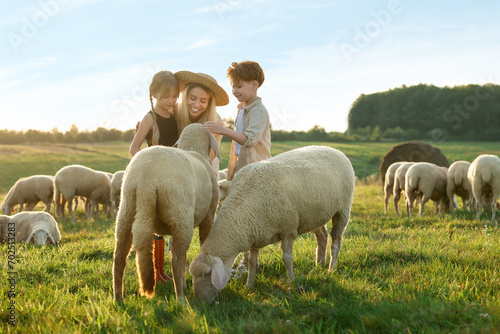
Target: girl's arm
145	126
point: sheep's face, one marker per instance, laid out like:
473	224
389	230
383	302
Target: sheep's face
40	237
6	209
204	289
202	270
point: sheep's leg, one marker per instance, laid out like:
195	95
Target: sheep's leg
205	227
253	263
386	199
395	199
142	231
322	241
47	205
31	206
493	209
91	209
21	206
422	204
122	249
339	222
180	246
438	208
70	210
409	203
61	209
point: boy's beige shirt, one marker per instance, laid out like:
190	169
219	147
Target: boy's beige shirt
258	144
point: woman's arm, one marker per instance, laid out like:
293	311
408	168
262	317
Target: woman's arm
145	126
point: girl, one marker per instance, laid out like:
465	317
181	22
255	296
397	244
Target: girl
159	127
200	95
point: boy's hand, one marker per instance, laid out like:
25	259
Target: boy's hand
213	127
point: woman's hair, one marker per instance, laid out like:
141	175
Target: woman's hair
246	71
163	83
210	114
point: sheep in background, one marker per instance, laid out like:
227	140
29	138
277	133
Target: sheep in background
389	182
77	180
399	183
116	187
224	187
484	176
29	190
293	193
429	181
458	184
223	174
37	227
166	191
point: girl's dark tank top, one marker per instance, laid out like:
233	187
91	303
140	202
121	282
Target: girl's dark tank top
169	134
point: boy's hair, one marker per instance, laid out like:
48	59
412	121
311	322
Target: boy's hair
246	71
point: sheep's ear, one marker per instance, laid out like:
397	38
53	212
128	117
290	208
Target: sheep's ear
224	186
214	145
51	239
30	237
219	276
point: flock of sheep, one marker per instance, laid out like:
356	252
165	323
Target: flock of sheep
476	183
171	191
70	184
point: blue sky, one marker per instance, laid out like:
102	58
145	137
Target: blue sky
90	62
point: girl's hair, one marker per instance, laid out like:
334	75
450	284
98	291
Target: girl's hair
163	83
210	114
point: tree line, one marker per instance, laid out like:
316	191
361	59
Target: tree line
421	112
460	113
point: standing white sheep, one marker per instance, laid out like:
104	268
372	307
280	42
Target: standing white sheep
399	183
389	182
116	187
37	227
29	190
458	184
166	191
429	181
277	199
77	180
484	176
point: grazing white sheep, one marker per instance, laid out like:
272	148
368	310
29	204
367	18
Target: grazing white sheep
33	227
273	200
116	187
484	176
223	174
77	180
165	191
389	182
429	181
458	184
399	183
29	190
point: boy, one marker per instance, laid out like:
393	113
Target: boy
252	134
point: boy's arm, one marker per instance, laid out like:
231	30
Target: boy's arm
215	127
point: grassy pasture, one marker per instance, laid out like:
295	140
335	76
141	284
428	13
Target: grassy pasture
429	274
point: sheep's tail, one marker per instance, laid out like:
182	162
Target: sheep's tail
486	175
412	182
458	177
142	231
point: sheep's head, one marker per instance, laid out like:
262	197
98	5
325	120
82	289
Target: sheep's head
6	209
194	138
40	236
209	276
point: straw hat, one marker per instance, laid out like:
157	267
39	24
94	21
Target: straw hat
186	77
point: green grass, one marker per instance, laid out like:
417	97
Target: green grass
425	275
